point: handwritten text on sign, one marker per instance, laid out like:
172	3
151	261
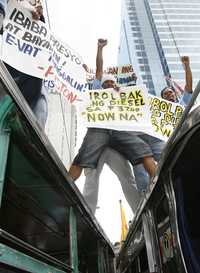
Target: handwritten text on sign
32	48
165	116
124	74
123	110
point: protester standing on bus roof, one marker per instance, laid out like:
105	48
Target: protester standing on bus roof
121	168
157	145
96	140
168	93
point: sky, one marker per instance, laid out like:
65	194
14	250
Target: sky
80	23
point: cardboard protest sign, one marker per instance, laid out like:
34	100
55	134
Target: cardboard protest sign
165	116
32	48
124	74
26	43
55	85
126	109
66	70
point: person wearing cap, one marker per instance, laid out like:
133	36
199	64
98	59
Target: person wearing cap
97	139
120	167
132	185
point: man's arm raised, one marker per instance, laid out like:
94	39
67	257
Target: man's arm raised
99	58
188	74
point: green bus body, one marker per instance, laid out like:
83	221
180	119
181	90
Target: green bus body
45	225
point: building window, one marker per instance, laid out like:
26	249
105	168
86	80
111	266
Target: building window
134	24
144	68
139	35
140	47
133	18
141	54
143	61
139	41
135	28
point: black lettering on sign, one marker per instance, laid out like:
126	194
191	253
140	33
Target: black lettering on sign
20	19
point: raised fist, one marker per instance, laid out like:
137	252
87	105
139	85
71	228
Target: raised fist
102	43
185	60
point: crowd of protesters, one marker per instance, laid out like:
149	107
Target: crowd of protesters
134	181
132	156
132	147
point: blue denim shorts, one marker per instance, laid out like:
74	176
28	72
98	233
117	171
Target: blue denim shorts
132	147
157	145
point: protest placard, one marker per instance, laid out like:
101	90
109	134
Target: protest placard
26	43
66	69
124	74
165	116
31	48
55	85
126	109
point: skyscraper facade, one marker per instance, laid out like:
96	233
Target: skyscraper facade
154	34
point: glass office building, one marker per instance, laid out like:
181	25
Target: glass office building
156	33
